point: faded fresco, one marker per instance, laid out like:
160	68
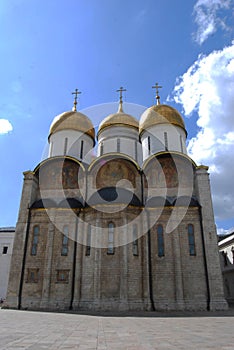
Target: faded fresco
113	171
59	174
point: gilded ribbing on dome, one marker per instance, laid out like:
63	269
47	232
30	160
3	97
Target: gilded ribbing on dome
160	114
72	121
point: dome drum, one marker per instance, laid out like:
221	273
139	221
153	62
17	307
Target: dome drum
71	133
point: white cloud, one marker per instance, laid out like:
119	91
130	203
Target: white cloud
5	126
208	89
223	232
208	17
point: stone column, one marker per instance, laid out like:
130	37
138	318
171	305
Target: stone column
217	301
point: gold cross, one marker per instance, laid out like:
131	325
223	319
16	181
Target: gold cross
76	93
121	89
156	86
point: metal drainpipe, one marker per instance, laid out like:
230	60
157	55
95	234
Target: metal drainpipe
74	264
24	259
205	260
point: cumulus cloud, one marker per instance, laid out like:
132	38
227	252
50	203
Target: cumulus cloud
207	88
5	126
209	17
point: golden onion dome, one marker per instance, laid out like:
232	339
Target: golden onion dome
160	114
72	120
119	119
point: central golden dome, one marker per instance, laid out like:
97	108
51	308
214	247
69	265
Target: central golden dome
72	120
160	114
119	118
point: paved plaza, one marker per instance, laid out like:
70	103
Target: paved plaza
41	330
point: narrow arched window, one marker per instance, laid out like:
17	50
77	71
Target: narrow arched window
35	240
101	149
111	230
64	250
149	144
118	145
65	146
135	240
81	149
88	241
191	240
160	240
166	141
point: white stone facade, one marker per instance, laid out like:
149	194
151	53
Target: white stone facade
6	245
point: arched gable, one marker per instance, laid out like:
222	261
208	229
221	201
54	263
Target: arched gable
60	173
169	170
109	170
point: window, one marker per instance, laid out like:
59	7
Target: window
62	276
88	242
64	251
111	229
4	250
181	144
149	144
101	149
191	240
118	145
166	141
135	241
33	276
81	149
65	146
232	250
225	258
160	240
35	240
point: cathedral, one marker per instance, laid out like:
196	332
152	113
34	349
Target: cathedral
117	219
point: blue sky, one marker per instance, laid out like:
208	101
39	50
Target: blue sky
49	48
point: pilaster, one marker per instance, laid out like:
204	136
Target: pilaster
28	196
47	267
179	294
202	182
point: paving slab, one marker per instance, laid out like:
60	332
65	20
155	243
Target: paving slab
142	331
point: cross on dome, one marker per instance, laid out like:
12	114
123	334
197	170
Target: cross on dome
156	86
120	90
76	93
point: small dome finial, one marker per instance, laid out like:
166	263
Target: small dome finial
157	93
76	93
121	89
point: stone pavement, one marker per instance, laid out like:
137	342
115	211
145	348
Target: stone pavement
41	330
